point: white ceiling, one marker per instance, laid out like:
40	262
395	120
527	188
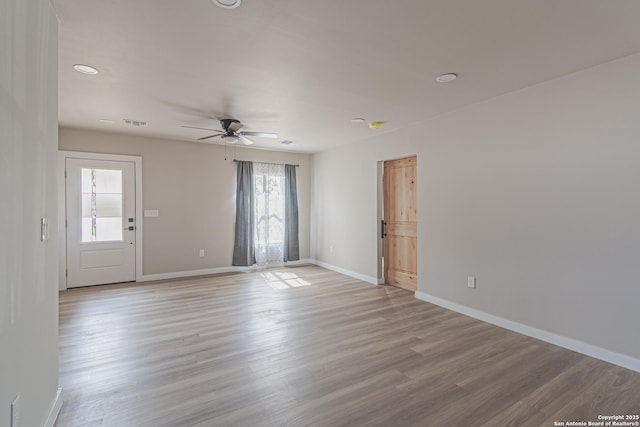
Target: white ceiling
305	68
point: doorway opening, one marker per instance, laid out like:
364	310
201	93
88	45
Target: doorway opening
101	218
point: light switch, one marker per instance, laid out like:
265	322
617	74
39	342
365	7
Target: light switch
471	282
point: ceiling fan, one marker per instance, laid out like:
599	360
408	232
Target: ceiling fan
231	132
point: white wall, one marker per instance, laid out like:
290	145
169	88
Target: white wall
536	193
193	187
28	267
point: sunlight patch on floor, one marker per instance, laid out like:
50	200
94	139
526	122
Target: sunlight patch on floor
279	280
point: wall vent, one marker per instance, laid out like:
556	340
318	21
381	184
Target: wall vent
135	123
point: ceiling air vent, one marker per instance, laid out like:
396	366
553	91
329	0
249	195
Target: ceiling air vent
135	123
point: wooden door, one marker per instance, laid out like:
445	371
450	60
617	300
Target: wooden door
400	223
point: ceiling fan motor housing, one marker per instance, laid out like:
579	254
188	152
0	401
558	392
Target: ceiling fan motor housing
231	132
225	123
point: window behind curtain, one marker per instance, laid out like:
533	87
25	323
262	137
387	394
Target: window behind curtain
270	198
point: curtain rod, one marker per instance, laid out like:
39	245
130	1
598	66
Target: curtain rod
266	163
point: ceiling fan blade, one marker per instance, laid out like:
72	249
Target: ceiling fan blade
245	140
260	134
207	137
194	127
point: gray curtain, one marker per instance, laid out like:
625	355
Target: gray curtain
291	243
244	249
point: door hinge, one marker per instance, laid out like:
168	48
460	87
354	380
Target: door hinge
65	174
66	223
66	273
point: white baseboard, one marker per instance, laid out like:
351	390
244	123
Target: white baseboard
369	279
217	270
304	261
191	273
550	337
56	405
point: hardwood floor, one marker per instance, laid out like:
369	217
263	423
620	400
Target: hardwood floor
307	346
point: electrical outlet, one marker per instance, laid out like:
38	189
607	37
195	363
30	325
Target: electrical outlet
330	249
471	282
15	412
201	253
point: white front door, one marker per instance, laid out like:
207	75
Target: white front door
101	223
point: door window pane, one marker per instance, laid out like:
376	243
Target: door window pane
108	205
101	205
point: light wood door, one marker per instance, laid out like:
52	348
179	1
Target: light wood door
400	223
100	216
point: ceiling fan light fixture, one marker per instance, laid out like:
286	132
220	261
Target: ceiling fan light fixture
227	4
230	139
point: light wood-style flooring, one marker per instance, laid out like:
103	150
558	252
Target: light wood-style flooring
309	347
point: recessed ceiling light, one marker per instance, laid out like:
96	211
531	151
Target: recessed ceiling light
85	69
108	121
227	4
446	78
357	120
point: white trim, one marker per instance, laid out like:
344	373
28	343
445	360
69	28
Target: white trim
139	217
217	270
62	157
304	261
54	410
256	267
191	273
550	337
369	279
379	219
62	232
